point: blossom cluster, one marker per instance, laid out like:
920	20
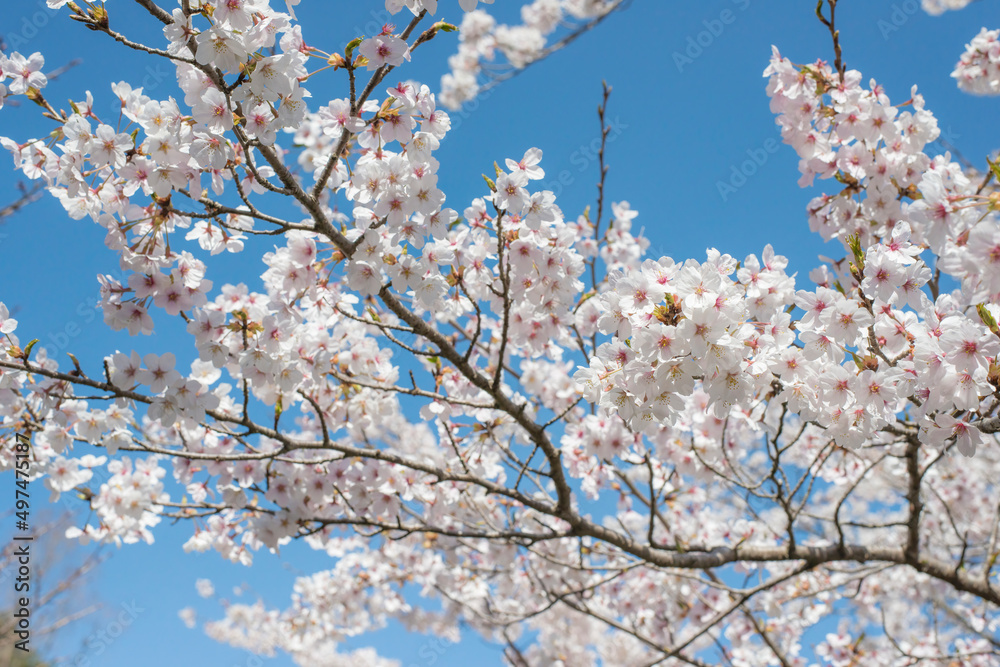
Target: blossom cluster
128	504
675	325
482	39
416	6
978	70
936	7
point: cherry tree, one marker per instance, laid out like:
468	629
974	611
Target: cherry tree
585	454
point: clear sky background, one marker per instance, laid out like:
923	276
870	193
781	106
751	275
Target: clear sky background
678	131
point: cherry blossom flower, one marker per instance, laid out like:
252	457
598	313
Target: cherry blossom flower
7	323
23	72
159	372
383	50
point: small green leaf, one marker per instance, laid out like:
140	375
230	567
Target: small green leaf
987	317
353	44
854	243
27	350
995	168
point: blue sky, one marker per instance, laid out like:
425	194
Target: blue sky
680	127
